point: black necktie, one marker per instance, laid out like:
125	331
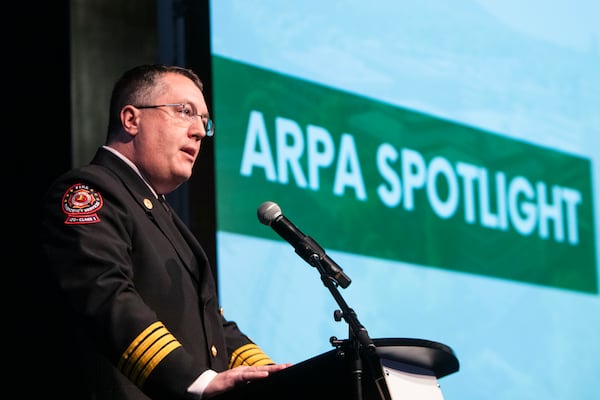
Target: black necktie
163	201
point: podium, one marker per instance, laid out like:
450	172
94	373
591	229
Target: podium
398	368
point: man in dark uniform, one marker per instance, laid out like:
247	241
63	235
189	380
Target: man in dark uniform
143	307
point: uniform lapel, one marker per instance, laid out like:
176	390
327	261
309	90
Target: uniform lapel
159	213
164	216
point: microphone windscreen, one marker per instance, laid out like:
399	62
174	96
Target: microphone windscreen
268	212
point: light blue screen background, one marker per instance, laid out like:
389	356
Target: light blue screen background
528	70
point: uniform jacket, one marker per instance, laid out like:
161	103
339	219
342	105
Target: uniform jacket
144	316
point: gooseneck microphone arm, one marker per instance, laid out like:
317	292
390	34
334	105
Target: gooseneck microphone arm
270	214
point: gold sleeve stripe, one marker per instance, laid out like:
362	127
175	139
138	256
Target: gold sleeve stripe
249	354
145	352
152	363
139	346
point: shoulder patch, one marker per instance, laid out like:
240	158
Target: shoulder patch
81	203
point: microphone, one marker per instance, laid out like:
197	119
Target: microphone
270	214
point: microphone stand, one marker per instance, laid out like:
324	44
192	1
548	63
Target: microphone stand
358	337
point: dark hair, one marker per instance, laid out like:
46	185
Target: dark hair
137	85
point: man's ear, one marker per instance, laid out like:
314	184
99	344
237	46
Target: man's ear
130	117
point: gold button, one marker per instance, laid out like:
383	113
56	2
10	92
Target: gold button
213	350
148	204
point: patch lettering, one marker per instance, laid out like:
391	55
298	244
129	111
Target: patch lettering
81	204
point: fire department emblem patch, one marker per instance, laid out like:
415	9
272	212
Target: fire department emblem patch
81	204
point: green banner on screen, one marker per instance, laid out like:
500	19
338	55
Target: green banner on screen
365	177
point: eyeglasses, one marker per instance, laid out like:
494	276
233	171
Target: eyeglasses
188	113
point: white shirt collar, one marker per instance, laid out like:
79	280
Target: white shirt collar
133	167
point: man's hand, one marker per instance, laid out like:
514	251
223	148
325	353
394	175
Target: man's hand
240	375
